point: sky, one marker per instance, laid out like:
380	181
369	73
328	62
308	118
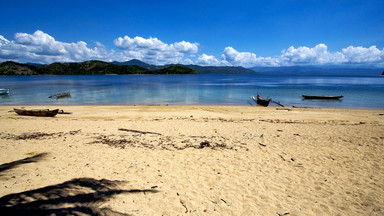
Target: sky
227	33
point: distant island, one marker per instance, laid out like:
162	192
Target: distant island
85	68
95	67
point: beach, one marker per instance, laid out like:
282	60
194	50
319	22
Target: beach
193	160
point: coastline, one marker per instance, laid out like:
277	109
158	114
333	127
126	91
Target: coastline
202	160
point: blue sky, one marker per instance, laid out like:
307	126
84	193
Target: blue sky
238	33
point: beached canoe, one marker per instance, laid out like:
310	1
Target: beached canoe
321	97
261	101
37	112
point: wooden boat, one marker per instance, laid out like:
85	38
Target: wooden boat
262	101
61	95
4	91
37	112
321	97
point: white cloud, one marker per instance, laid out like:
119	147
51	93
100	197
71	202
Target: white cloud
153	50
43	48
363	55
233	57
40	47
205	59
318	55
246	59
186	47
187	61
3	41
138	43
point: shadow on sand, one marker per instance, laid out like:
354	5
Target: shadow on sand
14	164
80	196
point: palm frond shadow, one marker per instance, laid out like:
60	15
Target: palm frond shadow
14	164
75	197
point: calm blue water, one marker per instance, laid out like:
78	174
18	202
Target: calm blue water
205	89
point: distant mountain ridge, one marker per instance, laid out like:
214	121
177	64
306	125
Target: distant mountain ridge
289	70
95	67
135	66
136	62
199	69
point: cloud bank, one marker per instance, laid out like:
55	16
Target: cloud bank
155	51
318	55
40	47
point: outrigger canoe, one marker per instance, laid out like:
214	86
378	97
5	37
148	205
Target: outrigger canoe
61	95
321	97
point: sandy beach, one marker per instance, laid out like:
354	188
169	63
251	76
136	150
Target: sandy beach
192	160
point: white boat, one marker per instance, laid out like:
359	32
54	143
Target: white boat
4	91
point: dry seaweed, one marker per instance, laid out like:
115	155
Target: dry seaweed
29	135
166	142
35	135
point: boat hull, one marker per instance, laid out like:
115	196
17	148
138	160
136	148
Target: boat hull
40	112
261	101
322	97
4	91
61	95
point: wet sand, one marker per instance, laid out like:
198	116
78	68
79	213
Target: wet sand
196	160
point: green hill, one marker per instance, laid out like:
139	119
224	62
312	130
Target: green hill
84	68
89	68
175	69
13	68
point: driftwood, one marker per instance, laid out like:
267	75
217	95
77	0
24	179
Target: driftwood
140	132
183	204
284	109
262	144
277	102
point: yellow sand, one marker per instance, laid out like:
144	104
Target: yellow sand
195	160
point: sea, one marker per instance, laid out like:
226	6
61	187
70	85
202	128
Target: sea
359	91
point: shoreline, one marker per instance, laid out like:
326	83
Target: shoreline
185	105
201	160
